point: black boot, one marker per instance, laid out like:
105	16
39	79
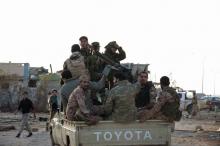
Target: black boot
18	135
29	135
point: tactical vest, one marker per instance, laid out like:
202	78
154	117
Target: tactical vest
171	109
76	66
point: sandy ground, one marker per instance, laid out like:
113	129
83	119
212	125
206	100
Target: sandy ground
185	133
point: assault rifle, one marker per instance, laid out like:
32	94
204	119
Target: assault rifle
126	71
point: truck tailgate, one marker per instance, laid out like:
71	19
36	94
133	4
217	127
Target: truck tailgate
111	133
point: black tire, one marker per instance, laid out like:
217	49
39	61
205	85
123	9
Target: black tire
189	109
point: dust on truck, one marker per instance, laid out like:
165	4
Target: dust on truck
108	133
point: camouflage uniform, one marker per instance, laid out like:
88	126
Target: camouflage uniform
195	107
120	103
80	107
95	67
85	53
166	108
71	84
117	57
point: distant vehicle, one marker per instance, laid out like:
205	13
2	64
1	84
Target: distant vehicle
209	102
186	100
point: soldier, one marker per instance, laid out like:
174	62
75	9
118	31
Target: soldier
80	106
95	64
85	48
111	49
110	52
70	84
84	91
146	98
120	102
167	106
76	63
194	103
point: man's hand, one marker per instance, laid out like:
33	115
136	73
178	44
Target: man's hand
92	120
144	115
106	70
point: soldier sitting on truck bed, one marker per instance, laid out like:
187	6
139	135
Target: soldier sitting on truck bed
120	105
70	84
146	98
167	106
79	106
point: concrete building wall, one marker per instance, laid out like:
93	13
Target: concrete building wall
12	68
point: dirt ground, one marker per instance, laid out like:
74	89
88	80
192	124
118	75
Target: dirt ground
202	130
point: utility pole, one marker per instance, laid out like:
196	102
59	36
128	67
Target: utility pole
51	70
214	83
202	76
203	72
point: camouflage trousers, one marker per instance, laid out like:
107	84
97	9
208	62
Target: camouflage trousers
161	116
24	123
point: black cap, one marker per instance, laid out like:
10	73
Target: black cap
75	48
95	44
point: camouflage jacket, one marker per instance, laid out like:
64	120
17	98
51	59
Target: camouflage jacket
85	53
95	67
80	101
167	104
117	57
120	103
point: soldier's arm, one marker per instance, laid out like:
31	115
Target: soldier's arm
70	108
157	107
121	55
153	94
98	85
64	65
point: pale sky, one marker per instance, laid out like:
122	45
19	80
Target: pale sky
176	37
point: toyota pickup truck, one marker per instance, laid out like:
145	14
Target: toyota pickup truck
109	133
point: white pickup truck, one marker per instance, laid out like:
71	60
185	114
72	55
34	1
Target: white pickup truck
109	133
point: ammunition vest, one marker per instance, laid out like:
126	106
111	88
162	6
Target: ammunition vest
76	66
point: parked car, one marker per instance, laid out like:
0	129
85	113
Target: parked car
209	102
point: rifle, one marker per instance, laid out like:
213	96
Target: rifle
126	71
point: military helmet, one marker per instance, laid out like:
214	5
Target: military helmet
95	44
